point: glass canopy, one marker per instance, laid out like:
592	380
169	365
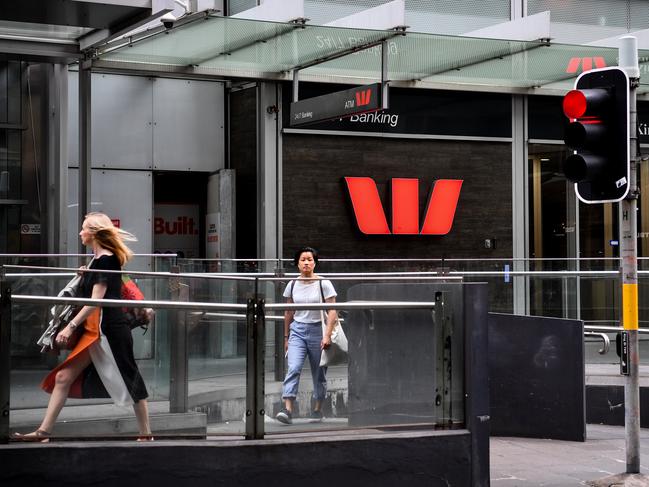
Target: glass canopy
237	48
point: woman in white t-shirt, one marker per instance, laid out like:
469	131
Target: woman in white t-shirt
303	336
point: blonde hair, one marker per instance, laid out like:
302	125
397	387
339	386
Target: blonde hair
109	237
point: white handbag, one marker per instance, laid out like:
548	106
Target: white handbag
336	353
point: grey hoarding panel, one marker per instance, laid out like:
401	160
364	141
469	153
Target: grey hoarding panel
536	377
121	121
123	195
188	125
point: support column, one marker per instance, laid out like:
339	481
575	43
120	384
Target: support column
57	159
520	232
85	131
269	201
269	157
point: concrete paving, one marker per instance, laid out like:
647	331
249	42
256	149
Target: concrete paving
522	462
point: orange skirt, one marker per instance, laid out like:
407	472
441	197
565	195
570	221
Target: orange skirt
90	336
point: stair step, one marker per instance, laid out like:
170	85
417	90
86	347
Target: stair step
190	423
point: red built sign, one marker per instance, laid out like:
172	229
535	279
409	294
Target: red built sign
371	217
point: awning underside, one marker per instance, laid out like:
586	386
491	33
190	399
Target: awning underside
236	48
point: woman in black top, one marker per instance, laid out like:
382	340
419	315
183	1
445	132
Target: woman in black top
102	363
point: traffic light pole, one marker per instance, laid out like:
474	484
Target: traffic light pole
629	255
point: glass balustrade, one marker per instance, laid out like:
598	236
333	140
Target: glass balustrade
405	366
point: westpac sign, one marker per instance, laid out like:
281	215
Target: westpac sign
371	217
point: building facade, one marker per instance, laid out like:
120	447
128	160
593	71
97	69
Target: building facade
210	167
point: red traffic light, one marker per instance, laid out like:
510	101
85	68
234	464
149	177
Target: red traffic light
583	103
574	104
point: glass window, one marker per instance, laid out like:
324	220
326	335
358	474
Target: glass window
549	192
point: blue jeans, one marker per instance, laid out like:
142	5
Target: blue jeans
304	340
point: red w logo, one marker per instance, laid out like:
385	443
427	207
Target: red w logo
370	215
363	98
586	63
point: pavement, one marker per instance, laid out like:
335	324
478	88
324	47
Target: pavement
521	462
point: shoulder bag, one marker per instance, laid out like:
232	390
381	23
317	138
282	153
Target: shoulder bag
134	316
336	353
61	315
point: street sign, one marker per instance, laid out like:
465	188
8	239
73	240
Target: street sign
622	340
362	99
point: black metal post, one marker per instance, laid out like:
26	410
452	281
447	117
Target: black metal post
476	378
5	362
255	333
250	371
280	359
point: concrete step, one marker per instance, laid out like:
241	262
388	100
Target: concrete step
191	423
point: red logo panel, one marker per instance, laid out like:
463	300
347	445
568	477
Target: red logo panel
586	63
370	214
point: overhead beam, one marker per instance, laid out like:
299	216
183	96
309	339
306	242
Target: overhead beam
36	50
142	35
103	36
85	13
225	74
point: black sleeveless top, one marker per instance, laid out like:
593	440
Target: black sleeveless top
113	285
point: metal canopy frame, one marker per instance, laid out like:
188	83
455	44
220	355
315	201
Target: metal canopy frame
34	31
211	46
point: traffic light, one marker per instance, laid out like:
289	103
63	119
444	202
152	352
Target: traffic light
598	109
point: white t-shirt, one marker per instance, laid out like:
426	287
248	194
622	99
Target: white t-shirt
308	291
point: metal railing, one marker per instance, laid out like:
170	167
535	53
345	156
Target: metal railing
254	312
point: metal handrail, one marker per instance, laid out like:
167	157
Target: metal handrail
337	276
607	341
128	272
115	303
612	329
82	255
438	259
